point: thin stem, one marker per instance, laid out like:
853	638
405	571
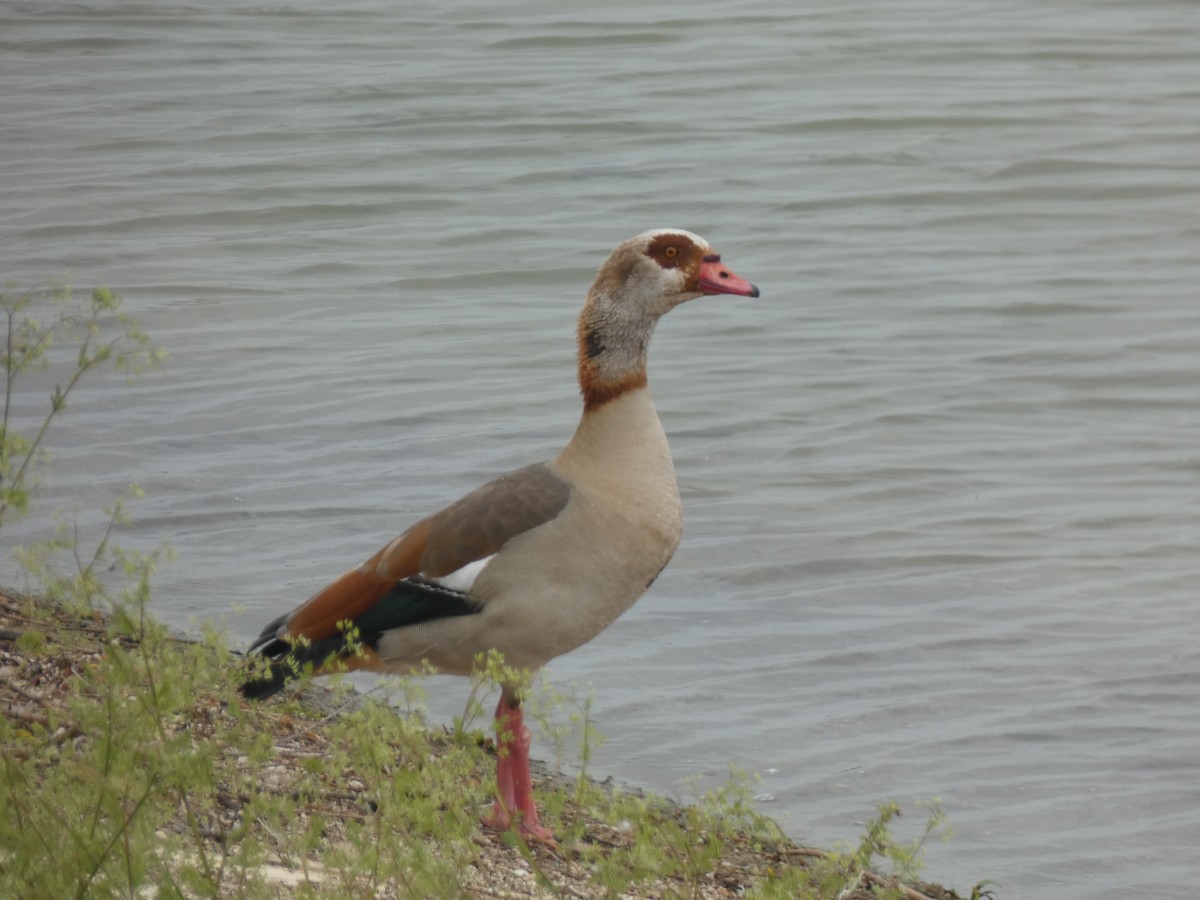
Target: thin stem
58	401
8	377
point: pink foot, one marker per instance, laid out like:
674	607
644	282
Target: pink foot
514	806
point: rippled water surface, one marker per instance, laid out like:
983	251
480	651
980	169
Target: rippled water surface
941	481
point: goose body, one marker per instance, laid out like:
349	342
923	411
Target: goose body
539	561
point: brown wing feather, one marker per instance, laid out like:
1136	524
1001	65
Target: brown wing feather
479	524
472	528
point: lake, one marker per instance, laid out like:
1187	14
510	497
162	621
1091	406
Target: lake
941	480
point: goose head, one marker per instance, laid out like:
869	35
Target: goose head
644	278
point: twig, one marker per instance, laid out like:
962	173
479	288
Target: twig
26	715
27	693
64	732
906	892
480	891
806	851
9	602
289	753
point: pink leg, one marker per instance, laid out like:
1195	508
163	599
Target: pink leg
506	800
514	803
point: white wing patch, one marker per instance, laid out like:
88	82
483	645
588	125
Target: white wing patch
461	579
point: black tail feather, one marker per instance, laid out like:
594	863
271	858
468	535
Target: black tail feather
409	602
288	662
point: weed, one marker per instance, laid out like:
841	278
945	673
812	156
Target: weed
35	320
845	870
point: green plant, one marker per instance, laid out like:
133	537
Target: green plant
577	735
849	867
489	672
35	321
87	581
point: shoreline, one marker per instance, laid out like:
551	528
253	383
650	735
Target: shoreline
49	655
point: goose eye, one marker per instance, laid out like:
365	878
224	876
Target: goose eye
671	252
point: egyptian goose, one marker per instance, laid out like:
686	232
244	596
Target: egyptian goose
542	559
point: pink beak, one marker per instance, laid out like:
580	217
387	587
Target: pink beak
717	279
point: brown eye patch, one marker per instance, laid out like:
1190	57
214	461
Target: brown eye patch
672	251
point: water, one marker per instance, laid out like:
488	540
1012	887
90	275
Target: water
941	482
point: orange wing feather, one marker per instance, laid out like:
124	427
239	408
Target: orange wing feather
351	595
